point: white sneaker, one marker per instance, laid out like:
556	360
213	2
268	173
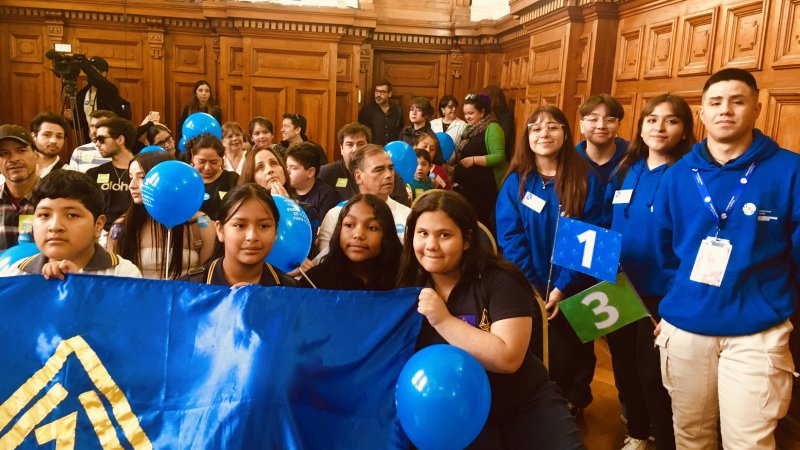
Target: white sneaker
634	444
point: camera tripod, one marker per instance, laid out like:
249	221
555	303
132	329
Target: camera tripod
70	103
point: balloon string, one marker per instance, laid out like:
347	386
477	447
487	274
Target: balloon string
168	251
307	279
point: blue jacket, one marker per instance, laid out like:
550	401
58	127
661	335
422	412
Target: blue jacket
636	222
527	237
759	288
604	172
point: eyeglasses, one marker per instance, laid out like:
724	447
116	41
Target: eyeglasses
593	120
233	136
538	129
414	109
381	91
99	139
163	142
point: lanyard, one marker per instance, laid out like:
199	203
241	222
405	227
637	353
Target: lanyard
737	192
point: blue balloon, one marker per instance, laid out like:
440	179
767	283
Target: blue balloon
152	148
294	236
13	255
446	145
182	144
443	398
172	192
200	123
404	159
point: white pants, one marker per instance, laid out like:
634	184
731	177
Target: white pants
742	382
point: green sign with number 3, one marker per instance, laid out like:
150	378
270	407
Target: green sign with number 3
603	308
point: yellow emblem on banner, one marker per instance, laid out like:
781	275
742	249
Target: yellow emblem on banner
62	430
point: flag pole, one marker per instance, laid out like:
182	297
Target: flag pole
168	250
303	272
552	253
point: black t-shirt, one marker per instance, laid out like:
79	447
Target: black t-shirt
494	296
325	277
216	190
114	183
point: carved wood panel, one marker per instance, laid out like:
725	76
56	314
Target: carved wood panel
629	55
29	88
269	99
546	61
697	47
628	125
661	40
787	53
744	36
585	49
414	74
782	117
314	105
25	47
344	67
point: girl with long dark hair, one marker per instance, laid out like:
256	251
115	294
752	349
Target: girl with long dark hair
547	179
665	133
482	304
246	231
202	101
364	250
137	237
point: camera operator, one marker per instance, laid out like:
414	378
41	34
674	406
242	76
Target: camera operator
100	93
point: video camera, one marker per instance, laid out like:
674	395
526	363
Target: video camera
65	63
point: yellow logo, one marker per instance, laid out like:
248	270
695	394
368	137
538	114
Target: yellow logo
62	430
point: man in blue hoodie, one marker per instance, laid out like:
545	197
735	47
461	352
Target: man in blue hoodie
729	241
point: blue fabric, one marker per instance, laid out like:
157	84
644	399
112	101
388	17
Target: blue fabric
605	172
207	367
636	222
527	237
759	289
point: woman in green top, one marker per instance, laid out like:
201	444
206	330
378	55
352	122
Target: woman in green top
480	158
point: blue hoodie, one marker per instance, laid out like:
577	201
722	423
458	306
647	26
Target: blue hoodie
604	172
636	222
526	236
759	288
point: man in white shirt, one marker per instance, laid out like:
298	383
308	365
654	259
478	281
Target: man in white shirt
88	156
49	132
373	172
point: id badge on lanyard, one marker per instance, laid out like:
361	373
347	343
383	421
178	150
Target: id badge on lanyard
714	253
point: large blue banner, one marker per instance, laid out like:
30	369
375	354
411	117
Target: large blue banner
102	362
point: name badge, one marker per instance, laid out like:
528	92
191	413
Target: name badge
103	178
25	224
440	182
222	194
533	202
86	157
712	260
622	196
341	182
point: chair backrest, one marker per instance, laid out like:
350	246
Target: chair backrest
540	343
487	237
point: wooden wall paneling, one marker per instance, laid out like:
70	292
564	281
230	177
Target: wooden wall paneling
411	75
787	45
660	48
546	64
6	115
313	100
743	35
27	74
628	124
578	100
601	27
268	98
698	32
585	44
695	101
782	116
571	62
186	61
348	68
629	54
234	99
156	100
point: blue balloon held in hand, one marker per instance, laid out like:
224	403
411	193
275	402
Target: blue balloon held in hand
446	145
15	254
404	159
294	236
172	192
442	398
200	123
152	148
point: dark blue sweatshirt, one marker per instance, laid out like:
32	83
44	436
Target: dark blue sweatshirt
759	288
635	221
527	236
604	172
